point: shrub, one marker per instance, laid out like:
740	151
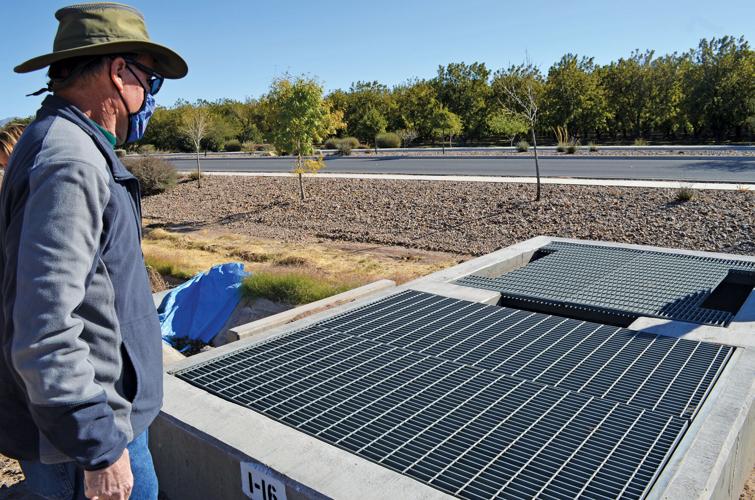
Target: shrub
146	149
120	153
265	148
195	176
522	146
248	147
292	288
332	143
388	140
593	147
572	148
233	145
351	141
561	147
640	142
684	193
155	174
344	148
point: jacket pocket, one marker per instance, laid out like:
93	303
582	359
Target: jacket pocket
142	343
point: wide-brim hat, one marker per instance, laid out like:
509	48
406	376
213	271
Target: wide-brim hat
98	29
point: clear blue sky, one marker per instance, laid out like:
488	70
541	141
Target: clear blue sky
236	47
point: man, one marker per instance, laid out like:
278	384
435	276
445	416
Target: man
81	373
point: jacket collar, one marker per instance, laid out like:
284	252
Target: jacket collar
57	106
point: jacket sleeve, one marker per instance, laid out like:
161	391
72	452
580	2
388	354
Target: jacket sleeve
60	236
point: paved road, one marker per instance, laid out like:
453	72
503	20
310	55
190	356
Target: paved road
703	169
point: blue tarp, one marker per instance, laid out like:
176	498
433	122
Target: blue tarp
199	308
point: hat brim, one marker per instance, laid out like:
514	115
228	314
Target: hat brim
168	63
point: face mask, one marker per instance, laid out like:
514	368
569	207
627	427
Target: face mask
137	122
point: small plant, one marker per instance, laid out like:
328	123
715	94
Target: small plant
233	145
146	149
331	143
120	153
572	148
407	135
155	174
522	146
640	142
351	141
388	140
684	193
344	148
561	147
265	148
307	166
292	288
592	146
248	147
195	176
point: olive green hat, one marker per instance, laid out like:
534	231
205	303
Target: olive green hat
98	29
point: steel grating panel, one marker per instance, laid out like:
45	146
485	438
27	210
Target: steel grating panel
654	372
618	281
468	431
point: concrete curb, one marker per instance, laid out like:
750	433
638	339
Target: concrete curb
262	325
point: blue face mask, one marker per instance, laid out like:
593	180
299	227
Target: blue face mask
137	122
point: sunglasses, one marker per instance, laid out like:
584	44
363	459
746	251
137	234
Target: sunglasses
154	80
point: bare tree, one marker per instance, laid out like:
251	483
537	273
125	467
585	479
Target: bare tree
195	124
525	99
407	135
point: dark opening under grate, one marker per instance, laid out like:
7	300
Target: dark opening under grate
620	282
479	401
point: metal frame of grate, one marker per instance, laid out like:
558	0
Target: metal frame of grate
654	372
618	281
471	432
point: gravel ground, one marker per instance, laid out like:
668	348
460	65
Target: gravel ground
466	218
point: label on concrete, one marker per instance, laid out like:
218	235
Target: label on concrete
259	485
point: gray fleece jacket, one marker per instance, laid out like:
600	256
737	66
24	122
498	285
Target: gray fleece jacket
81	366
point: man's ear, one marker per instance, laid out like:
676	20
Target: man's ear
117	69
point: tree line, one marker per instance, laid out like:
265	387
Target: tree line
706	94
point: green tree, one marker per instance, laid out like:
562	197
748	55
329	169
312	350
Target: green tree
667	76
250	118
417	104
464	90
301	117
629	94
517	80
362	102
508	124
446	124
574	97
370	125
721	85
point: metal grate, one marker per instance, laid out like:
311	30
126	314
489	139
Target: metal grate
618	281
468	431
654	372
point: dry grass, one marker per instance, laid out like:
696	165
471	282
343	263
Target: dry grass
335	267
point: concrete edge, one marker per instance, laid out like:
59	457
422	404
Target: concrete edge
259	326
223	429
717	452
